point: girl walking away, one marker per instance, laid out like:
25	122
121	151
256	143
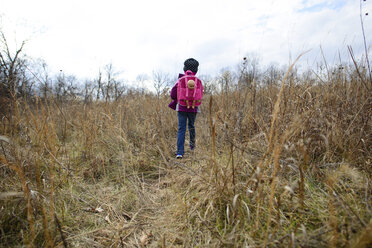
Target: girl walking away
186	94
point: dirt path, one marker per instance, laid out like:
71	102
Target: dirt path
154	224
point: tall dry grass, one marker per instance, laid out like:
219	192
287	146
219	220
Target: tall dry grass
276	165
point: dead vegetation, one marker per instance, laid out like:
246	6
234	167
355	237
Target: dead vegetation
282	160
277	165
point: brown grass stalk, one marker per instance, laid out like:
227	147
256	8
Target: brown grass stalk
27	195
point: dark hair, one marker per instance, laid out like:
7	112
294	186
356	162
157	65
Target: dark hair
191	64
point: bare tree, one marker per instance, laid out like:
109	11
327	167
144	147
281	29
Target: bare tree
141	79
26	84
44	86
225	80
60	87
209	84
113	86
108	88
88	92
98	81
71	87
272	75
161	81
11	66
119	89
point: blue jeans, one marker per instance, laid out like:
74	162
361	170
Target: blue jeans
182	120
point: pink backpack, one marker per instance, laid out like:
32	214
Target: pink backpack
189	90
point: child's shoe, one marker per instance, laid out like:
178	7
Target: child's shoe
179	156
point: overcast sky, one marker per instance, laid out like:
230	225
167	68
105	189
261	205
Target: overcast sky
139	36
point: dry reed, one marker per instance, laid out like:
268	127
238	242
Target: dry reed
269	169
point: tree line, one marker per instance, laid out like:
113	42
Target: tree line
27	78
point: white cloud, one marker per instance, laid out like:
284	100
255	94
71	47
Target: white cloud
142	36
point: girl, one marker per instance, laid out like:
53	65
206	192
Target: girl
185	113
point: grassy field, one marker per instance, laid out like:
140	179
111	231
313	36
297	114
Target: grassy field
279	165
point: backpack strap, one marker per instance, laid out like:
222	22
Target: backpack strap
196	86
187	91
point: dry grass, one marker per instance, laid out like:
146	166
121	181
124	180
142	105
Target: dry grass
277	166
